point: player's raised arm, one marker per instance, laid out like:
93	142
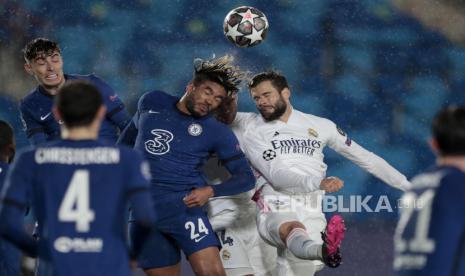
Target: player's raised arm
372	163
116	110
14	200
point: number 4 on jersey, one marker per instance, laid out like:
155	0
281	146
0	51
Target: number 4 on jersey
75	204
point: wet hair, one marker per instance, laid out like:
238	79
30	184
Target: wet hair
219	70
39	46
277	80
78	103
448	129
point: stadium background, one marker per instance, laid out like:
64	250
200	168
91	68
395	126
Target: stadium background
380	69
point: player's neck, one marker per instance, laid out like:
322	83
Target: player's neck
287	114
53	90
181	105
79	133
454	161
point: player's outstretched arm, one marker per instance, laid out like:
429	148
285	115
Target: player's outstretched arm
367	160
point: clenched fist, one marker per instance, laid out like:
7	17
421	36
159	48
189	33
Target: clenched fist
331	184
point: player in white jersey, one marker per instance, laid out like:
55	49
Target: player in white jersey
290	216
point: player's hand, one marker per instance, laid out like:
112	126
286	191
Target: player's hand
226	112
331	184
198	196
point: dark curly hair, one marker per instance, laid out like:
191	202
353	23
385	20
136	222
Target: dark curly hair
221	71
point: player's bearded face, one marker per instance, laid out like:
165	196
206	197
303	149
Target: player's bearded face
204	98
47	68
273	111
269	101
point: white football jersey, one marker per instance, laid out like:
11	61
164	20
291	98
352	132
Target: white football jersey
292	152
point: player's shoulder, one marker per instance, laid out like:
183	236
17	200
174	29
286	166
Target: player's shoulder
26	154
313	118
31	98
156	97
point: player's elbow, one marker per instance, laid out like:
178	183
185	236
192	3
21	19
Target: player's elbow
249	180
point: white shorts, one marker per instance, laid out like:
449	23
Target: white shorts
244	252
277	209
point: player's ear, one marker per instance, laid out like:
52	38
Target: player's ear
101	112
433	143
28	68
189	87
286	93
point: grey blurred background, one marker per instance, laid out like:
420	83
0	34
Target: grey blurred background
380	69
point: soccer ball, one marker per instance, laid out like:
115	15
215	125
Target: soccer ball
245	26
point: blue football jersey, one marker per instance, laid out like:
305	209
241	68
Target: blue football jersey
79	191
177	145
430	236
41	126
9	255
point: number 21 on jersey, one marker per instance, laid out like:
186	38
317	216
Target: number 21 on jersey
75	205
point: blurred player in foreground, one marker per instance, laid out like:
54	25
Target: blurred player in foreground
79	187
9	255
430	235
290	215
43	61
177	136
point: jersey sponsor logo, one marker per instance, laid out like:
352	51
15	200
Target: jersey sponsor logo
67	245
42	118
160	144
194	129
299	146
269	155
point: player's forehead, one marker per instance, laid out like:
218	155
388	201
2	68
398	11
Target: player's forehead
44	54
263	87
214	87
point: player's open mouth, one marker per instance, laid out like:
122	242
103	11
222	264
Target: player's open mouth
51	77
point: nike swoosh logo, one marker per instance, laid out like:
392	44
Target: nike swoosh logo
153	112
45	116
199	239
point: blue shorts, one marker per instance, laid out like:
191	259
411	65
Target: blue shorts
177	228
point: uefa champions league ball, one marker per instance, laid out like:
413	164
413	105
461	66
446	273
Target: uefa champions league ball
245	26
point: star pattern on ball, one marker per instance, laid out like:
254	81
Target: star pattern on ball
255	35
233	32
248	16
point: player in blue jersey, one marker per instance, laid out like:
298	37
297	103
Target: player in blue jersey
79	187
9	255
177	136
43	61
430	235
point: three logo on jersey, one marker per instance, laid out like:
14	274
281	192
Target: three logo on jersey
160	144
